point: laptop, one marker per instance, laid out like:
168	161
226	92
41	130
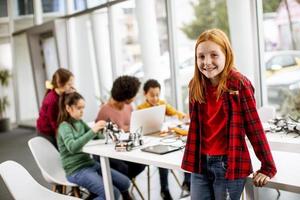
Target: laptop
149	119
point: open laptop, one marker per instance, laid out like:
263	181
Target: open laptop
149	119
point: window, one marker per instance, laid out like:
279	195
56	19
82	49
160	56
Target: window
93	3
80	5
52	5
128	48
192	18
3	8
25	7
281	21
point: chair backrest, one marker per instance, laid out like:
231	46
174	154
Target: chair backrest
22	185
266	113
48	160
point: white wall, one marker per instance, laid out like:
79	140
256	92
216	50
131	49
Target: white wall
26	92
6	62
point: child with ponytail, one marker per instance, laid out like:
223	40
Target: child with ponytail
62	81
73	134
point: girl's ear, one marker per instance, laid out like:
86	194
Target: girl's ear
68	108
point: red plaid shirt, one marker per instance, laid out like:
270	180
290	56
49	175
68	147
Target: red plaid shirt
242	119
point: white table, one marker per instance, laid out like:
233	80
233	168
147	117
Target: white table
105	151
287	178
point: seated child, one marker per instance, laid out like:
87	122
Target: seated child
73	134
118	110
152	93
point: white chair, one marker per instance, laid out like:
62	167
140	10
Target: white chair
22	185
266	113
48	160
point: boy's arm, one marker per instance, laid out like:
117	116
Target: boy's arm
171	111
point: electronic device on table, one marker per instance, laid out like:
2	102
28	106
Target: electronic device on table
161	149
150	119
112	131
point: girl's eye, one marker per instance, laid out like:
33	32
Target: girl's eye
214	55
201	57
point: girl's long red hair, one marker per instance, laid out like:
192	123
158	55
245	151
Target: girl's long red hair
198	83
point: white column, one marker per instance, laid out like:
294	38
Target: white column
101	45
70	24
38	12
241	35
10	10
148	35
115	40
245	40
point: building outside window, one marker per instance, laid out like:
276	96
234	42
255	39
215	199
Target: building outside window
52	6
3	8
25	7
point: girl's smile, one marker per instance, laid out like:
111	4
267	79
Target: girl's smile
210	60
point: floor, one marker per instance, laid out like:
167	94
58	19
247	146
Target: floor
13	146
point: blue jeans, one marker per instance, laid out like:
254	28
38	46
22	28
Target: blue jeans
91	179
211	184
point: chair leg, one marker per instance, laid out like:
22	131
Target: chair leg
243	195
176	178
134	185
278	194
64	189
54	188
76	191
148	180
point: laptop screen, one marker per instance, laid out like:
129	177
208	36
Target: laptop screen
149	119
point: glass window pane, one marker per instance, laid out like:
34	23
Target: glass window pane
93	3
52	6
25	7
80	5
192	18
129	50
103	56
3	8
281	21
84	65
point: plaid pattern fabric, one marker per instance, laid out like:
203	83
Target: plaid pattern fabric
242	120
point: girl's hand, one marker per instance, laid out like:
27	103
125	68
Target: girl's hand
260	179
99	125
